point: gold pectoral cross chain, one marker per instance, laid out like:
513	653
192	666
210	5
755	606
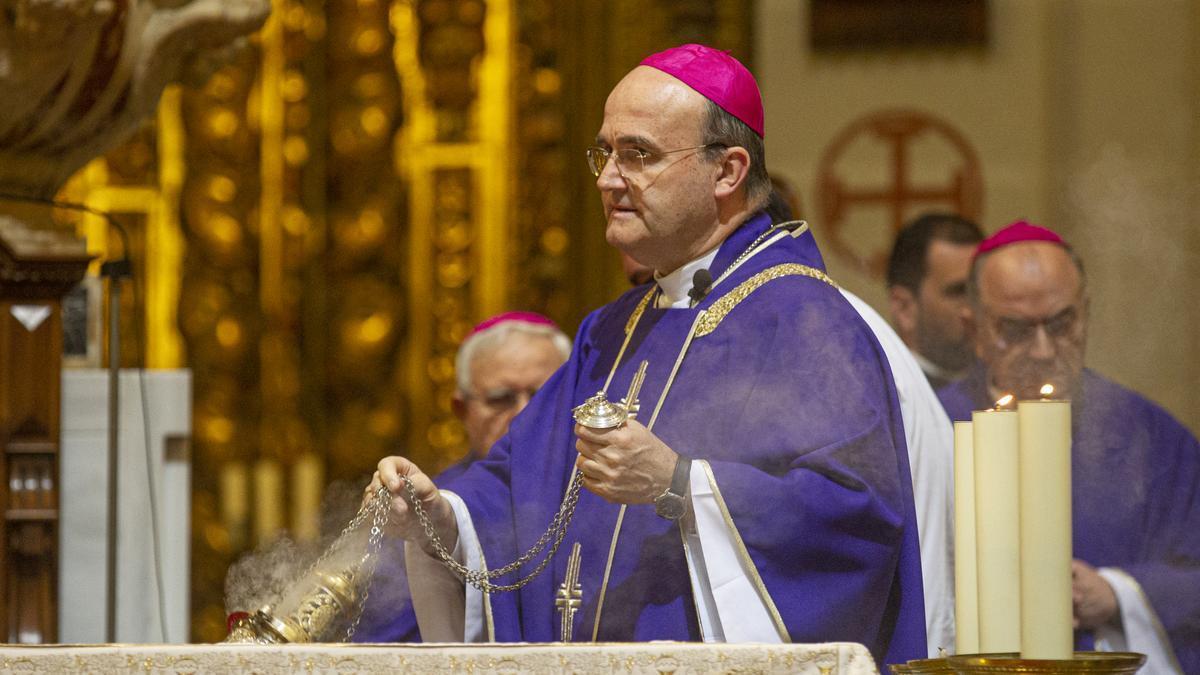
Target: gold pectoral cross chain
569	596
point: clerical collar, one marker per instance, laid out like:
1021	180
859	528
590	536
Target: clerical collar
932	369
674	287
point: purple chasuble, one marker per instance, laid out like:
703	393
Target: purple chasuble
790	400
1135	497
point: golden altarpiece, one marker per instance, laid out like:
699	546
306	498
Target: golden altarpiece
323	219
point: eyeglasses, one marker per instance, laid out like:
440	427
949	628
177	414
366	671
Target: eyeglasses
502	399
632	161
1018	331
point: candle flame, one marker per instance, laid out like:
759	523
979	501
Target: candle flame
1047	390
1004	401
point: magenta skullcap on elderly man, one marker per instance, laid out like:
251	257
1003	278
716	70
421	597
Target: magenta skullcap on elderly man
717	76
1015	233
506	317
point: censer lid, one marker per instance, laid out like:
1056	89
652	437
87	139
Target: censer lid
597	412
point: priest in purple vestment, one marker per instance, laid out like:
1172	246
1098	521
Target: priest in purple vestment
1135	470
763	491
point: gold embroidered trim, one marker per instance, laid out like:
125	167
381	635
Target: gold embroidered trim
687	555
716	312
629	326
637	311
487	606
799	230
744	556
612	552
612	549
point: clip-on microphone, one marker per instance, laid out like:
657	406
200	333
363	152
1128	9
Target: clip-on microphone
701	284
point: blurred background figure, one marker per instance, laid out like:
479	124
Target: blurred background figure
927	292
499	367
1135	469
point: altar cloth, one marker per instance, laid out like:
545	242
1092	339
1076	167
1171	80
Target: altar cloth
835	658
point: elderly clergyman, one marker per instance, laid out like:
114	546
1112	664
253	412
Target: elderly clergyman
762	493
1135	471
498	368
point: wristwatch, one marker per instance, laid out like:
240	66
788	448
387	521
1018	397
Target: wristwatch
672	503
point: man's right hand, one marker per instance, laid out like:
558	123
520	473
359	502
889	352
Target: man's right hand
392	472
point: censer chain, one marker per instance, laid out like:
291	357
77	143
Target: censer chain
380	511
481	579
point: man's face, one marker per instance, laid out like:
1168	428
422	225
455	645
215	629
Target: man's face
503	379
662	209
941	302
1032	323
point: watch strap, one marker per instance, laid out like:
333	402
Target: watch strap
681	477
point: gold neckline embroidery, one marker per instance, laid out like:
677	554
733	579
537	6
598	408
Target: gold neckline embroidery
716	312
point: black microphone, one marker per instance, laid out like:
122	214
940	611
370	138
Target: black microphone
701	285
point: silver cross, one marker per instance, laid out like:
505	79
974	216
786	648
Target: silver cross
569	596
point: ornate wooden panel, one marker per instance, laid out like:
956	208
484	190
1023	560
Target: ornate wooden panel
39	262
29	409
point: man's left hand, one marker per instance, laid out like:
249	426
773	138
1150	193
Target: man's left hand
1094	602
625	465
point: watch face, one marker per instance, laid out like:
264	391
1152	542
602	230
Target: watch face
670	506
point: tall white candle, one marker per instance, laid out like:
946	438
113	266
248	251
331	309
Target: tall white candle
997	530
966	582
308	481
1045	489
268	500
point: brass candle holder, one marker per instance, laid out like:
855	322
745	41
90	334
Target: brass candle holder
938	666
1090	663
1094	663
327	602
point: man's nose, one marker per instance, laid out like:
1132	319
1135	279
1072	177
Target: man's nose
1042	346
610	177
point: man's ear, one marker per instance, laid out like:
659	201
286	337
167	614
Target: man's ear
903	304
735	167
458	405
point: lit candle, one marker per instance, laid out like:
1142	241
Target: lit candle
997	529
966	588
1045	489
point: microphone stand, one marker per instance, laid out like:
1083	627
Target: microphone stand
115	271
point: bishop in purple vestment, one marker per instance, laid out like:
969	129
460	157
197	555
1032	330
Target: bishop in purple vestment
768	409
1135	470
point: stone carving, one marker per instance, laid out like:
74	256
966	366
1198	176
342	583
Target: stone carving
79	76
